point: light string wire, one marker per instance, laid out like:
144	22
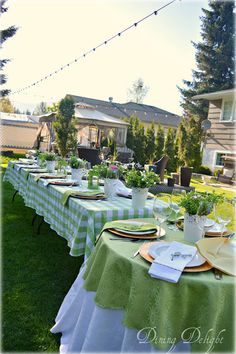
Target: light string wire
91	50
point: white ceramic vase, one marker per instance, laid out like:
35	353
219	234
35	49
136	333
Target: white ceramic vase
110	187
77	174
50	166
139	196
193	227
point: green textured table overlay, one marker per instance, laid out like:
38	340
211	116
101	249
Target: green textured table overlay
198	301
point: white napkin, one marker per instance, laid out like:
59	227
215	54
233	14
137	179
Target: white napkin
163	267
121	189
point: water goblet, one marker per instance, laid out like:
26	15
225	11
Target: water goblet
161	212
223	214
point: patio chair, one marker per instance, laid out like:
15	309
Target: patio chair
161	165
227	176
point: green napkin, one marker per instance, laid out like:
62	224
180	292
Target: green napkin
38	170
71	193
128	226
36	178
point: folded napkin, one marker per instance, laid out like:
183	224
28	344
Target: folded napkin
127	225
122	189
34	170
73	193
169	267
219	252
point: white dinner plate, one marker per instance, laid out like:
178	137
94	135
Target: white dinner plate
209	223
216	228
157	250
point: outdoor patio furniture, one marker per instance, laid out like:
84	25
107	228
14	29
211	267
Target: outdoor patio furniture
164	188
161	165
185	176
90	155
228	170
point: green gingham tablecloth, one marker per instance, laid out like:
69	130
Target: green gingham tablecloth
80	221
17	177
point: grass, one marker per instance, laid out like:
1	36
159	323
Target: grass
37	273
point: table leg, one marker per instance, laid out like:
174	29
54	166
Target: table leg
13	197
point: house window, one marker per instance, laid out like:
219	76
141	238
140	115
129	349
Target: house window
228	111
219	159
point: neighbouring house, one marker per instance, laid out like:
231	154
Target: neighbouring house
146	113
220	137
18	132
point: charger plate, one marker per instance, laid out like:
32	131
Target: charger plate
63	183
143	236
52	176
143	251
92	197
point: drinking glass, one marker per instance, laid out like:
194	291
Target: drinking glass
175	199
161	212
223	214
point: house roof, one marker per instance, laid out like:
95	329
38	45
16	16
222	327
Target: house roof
215	95
18	118
146	113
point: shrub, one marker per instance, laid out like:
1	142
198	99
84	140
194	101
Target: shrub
204	170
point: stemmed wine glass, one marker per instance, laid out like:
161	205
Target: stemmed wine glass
223	214
175	199
161	212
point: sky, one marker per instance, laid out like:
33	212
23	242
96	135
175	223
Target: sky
54	32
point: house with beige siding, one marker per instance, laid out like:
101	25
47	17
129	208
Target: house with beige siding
220	137
18	132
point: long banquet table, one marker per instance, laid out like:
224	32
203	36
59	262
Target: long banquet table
114	299
79	221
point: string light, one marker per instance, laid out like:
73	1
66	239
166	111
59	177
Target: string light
92	50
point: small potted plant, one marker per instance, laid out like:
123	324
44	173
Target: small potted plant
140	181
110	174
197	206
50	159
77	168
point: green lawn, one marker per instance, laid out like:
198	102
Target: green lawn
37	272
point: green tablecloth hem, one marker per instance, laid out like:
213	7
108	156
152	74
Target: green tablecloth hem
198	300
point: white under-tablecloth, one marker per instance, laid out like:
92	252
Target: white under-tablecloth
86	327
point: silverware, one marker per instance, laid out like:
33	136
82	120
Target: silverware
135	254
218	274
230	235
125	239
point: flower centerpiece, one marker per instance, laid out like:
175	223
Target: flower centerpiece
197	206
50	159
110	173
140	181
77	168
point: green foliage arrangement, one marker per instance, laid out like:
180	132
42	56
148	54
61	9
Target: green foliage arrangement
141	179
49	156
77	163
112	171
200	203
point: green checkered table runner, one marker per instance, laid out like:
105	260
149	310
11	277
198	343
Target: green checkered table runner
80	220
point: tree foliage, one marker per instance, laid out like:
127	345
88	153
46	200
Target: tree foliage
138	91
150	143
169	150
6	105
66	133
40	109
160	140
4	35
214	57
